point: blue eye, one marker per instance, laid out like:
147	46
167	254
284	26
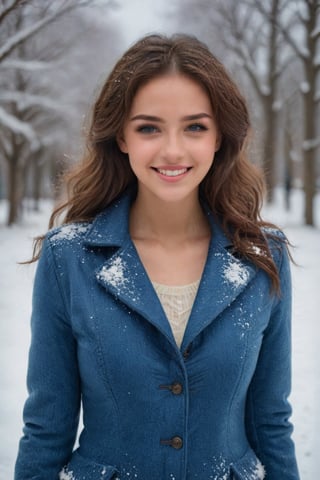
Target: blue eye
147	129
196	127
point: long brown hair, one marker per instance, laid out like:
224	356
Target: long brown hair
233	187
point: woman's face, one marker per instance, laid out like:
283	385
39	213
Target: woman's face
170	137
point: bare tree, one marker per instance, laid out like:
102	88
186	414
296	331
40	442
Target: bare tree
308	14
300	28
39	105
254	45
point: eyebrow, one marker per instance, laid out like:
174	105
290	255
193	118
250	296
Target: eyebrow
152	118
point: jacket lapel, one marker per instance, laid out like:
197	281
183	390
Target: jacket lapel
223	279
123	274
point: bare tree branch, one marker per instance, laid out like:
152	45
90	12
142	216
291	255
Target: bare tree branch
24	100
301	52
8	9
31	65
16	125
27	32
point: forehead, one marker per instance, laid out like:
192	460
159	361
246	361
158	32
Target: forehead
171	92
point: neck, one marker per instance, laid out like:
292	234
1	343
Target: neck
167	222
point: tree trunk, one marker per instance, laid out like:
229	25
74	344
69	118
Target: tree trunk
14	191
37	183
271	114
309	157
310	113
269	153
288	168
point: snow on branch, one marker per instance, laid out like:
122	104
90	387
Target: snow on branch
305	87
30	65
277	105
311	144
27	32
19	127
315	33
25	100
316	61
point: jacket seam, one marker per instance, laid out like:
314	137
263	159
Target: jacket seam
104	374
99	351
63	298
236	388
277	298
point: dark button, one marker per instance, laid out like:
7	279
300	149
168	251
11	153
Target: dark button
176	388
174	442
186	352
177	443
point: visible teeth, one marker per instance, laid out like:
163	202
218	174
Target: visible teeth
172	173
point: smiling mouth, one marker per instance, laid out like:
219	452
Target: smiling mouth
172	173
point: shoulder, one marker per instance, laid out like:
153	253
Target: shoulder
110	227
274	232
68	236
68	233
277	243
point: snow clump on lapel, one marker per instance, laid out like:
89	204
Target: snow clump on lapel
113	274
236	273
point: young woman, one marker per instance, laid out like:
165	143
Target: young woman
162	304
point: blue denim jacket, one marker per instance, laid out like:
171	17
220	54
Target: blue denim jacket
214	409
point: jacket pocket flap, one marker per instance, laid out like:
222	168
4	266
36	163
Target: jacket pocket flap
80	468
248	467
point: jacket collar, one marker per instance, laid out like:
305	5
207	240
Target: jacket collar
111	227
123	275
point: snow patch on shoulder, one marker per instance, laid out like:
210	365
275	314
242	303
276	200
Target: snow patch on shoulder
69	232
113	273
236	273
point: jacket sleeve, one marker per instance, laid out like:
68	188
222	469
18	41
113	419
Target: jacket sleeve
268	410
51	412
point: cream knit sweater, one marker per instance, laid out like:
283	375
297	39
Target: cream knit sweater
177	303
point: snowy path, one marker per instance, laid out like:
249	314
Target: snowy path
15	300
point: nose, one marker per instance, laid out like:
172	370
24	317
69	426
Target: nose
172	149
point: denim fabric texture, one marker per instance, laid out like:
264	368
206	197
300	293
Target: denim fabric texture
101	337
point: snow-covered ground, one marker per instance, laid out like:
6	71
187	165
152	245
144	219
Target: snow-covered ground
15	300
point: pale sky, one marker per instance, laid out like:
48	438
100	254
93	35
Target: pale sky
139	17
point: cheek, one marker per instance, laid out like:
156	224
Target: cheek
205	152
141	151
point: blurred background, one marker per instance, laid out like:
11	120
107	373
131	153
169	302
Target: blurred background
55	55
